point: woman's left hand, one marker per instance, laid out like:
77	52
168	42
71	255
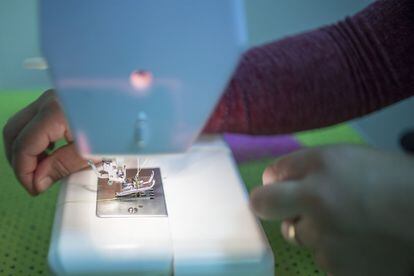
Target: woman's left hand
350	205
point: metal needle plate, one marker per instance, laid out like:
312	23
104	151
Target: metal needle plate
150	203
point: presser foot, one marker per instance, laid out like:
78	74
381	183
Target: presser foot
144	197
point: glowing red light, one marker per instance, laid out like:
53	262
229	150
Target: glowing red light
141	80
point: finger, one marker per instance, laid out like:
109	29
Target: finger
294	166
322	261
68	136
16	123
278	201
337	256
306	232
47	126
59	164
289	232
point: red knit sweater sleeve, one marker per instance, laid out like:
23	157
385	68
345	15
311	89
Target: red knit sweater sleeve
322	77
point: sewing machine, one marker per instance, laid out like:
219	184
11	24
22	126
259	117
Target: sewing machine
137	81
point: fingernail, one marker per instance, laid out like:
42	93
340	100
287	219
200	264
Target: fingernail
43	184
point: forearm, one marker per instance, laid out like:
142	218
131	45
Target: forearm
322	77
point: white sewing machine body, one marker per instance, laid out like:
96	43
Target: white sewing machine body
139	77
208	229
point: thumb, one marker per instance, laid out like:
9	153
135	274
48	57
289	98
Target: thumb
59	164
281	200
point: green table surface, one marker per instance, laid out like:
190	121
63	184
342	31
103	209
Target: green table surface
26	222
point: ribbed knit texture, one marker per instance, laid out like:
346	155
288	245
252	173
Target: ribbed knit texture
322	77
